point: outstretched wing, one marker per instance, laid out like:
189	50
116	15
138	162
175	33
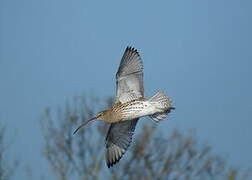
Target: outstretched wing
118	140
129	77
129	86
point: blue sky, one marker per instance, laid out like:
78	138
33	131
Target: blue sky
199	52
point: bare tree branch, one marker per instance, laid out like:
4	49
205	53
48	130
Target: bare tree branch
6	170
153	155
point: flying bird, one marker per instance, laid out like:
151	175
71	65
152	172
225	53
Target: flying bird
130	105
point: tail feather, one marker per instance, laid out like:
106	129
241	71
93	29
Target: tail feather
163	104
159	116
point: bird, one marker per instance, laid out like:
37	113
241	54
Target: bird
130	105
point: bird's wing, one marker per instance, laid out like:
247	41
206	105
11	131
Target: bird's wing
129	86
118	140
129	77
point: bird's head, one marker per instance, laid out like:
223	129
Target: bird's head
100	116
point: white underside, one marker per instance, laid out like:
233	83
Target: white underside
146	108
157	107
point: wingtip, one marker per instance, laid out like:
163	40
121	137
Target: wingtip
112	156
131	48
111	164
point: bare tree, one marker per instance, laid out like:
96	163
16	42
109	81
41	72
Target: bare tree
6	170
153	155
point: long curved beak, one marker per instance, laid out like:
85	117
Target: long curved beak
85	123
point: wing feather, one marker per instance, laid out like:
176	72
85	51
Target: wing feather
118	140
129	86
129	77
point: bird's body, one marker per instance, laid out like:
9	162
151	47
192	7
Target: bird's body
130	105
134	109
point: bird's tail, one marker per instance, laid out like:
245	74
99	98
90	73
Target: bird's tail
163	105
